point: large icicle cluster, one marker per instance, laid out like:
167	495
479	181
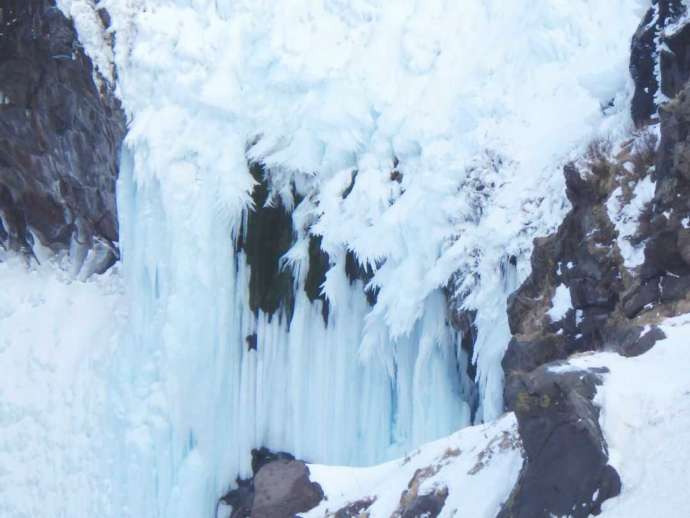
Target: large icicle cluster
423	139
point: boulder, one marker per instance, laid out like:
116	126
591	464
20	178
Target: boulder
282	489
279	488
566	471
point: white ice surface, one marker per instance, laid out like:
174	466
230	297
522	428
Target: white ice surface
481	112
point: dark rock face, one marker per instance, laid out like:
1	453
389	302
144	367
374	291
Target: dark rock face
280	488
60	139
356	272
267	236
665	275
674	59
645	56
567	471
319	264
580	256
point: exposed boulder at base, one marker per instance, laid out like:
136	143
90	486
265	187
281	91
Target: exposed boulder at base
280	488
60	138
566	471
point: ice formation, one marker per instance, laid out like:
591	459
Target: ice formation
423	153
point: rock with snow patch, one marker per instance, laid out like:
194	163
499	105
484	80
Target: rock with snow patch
645	55
566	471
674	60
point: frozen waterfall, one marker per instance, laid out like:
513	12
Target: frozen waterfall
424	154
201	397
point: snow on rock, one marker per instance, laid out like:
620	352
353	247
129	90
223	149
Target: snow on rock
473	471
625	215
56	338
645	416
93	35
561	303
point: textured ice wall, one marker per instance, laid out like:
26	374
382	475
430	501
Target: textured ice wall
198	398
456	118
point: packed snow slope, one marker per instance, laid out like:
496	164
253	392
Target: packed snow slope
645	416
425	139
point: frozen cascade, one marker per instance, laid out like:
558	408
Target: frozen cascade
423	155
203	399
493	335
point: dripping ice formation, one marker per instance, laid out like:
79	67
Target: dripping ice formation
305	391
448	143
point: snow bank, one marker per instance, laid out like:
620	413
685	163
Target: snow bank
645	417
56	338
479	466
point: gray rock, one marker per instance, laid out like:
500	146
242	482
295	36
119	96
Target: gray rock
60	138
282	489
279	488
429	505
566	471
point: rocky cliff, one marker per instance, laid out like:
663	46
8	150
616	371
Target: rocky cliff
619	271
61	128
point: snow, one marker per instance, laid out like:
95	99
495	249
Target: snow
56	336
92	35
561	303
467	463
645	416
625	215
